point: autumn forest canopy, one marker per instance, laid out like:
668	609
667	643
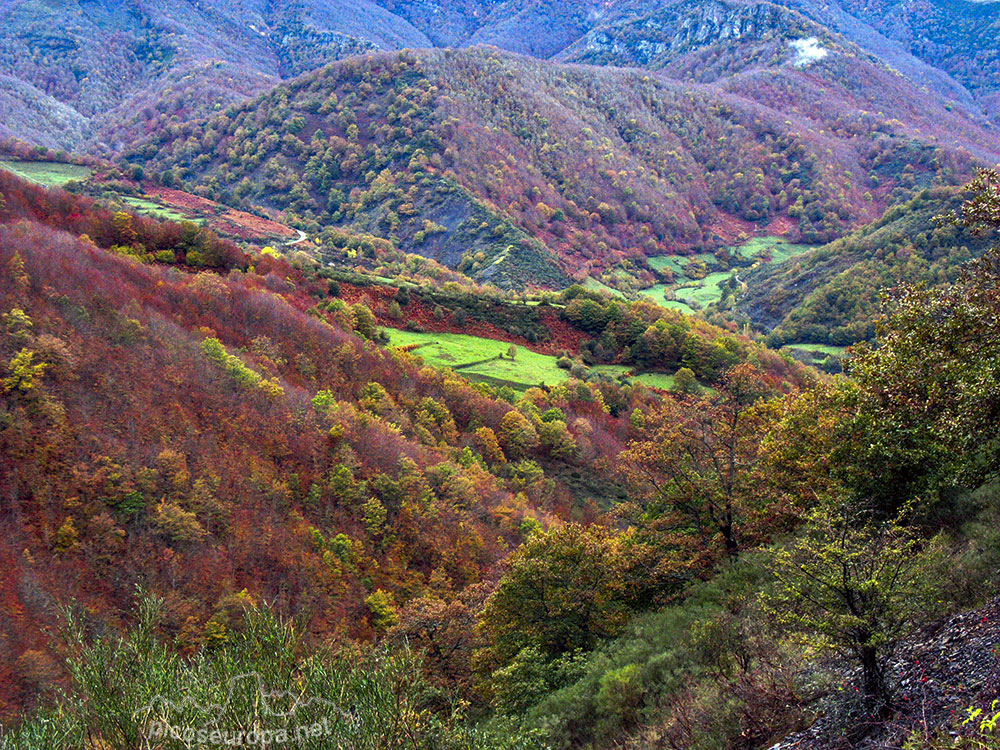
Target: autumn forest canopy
484	375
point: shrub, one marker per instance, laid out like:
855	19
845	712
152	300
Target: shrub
383	609
239	372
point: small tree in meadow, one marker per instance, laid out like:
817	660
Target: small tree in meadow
685	382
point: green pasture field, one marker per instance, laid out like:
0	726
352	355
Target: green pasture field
150	208
486	360
674	262
706	291
837	351
47	173
595	285
780	249
658	294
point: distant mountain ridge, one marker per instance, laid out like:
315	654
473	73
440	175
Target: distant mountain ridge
85	73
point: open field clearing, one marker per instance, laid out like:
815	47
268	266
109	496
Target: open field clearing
48	173
487	360
691	295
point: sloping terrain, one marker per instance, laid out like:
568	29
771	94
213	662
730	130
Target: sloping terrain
519	171
831	294
959	37
202	435
105	60
179	415
947	672
949	47
93	72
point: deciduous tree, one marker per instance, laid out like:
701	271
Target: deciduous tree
696	468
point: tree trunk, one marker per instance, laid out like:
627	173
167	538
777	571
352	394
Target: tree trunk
732	546
874	682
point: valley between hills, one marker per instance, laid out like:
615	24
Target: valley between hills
499	374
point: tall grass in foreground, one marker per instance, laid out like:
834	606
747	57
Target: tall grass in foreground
256	689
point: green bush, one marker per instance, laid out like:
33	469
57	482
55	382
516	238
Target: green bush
693	654
239	372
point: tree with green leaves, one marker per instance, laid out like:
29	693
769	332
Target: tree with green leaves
928	397
685	382
517	434
849	584
562	593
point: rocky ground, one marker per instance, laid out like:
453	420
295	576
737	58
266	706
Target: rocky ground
948	667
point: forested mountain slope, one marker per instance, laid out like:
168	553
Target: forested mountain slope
520	171
211	468
88	74
429	435
107	61
832	294
959	37
177	414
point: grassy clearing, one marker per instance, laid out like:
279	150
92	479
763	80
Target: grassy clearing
779	249
529	368
148	207
662	262
47	173
594	285
654	380
455	350
458	351
706	291
448	349
658	295
837	351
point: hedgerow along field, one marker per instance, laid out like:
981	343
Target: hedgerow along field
488	360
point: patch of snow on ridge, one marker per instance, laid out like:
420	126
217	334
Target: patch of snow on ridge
807	51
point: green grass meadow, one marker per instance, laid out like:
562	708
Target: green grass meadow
837	351
150	208
486	360
706	291
47	173
778	248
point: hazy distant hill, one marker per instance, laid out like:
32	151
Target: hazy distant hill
91	73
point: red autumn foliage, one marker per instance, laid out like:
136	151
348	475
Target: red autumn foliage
134	457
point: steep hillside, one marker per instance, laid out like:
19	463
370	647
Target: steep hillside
96	74
203	435
958	36
177	414
831	295
518	171
106	60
